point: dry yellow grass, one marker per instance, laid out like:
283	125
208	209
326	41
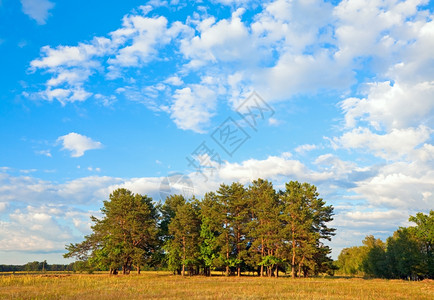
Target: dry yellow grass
162	285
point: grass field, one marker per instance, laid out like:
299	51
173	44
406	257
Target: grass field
162	285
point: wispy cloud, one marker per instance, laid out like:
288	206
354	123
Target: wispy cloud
305	148
44	152
39	10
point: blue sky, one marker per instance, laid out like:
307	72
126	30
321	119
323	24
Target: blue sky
105	94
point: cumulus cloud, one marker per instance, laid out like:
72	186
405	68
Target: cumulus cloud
396	144
383	106
400	184
193	107
45	228
78	144
30	190
284	51
174	80
222	41
144	33
37	9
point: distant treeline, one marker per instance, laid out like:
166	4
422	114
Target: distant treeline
37	266
234	229
408	254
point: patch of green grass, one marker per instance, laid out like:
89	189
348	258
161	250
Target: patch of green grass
162	285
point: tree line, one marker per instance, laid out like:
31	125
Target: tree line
35	266
234	229
407	254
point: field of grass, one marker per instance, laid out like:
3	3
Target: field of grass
162	285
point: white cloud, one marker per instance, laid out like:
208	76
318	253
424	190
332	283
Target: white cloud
37	9
174	80
71	67
273	167
390	146
233	2
305	148
375	216
81	56
416	64
274	122
334	165
291	26
27	171
31	190
134	44
374	27
36	228
78	144
44	152
156	3
294	74
424	153
284	51
93	169
144	185
401	185
383	106
66	95
145	33
222	41
193	107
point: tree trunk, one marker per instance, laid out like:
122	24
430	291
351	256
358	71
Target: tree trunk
227	255
138	269
262	256
293	255
183	256
300	266
238	251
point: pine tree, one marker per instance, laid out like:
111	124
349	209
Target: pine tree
210	231
264	226
185	229
304	216
128	228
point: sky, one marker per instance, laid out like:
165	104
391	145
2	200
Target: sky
180	96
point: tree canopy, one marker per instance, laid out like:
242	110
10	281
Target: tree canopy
126	235
234	229
407	254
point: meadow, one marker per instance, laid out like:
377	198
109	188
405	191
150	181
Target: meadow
163	285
